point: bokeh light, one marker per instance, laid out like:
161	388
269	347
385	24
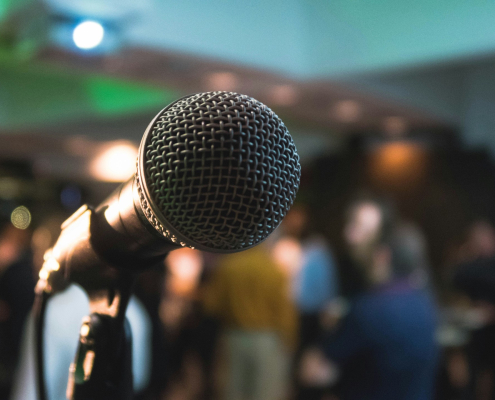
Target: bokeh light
185	266
221	81
363	225
287	253
347	111
88	34
116	164
21	217
284	95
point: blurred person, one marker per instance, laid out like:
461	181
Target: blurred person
384	348
314	280
414	257
366	222
249	294
475	277
16	297
188	353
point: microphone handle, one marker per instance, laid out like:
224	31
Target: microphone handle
95	243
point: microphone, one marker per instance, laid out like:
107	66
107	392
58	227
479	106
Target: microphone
216	171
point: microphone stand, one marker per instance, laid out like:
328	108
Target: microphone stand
103	365
102	369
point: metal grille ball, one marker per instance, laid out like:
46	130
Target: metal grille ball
222	169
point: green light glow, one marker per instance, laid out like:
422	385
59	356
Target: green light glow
111	97
34	94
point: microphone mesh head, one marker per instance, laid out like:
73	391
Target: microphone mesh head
220	169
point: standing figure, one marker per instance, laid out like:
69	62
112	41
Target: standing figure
249	294
314	283
385	347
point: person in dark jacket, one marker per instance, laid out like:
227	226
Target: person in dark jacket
384	348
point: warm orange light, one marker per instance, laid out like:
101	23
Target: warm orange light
399	164
398	155
115	164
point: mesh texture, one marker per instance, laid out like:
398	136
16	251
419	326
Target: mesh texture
222	169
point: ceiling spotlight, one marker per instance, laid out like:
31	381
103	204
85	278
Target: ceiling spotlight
347	111
88	34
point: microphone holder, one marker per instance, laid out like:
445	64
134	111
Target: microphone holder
102	369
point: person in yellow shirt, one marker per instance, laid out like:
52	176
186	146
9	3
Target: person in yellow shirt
249	294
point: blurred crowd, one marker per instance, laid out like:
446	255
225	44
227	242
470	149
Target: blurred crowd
290	319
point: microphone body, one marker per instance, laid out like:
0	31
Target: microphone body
95	243
216	171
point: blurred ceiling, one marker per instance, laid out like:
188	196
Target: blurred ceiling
338	66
